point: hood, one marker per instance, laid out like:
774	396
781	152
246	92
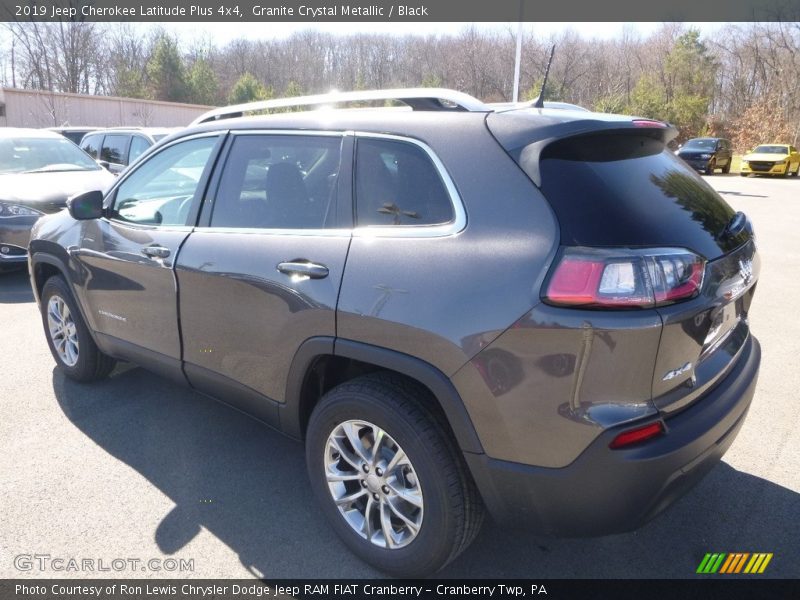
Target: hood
48	192
771	157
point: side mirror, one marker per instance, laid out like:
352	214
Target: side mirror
88	205
104	163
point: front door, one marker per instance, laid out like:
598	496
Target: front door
128	256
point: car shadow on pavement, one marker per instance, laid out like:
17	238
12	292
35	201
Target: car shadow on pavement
247	485
15	288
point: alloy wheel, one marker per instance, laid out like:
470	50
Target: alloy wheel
63	331
373	484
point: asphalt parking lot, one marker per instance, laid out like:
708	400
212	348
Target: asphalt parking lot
137	467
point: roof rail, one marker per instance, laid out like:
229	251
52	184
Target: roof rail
416	98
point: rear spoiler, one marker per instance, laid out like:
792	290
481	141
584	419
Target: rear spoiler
525	136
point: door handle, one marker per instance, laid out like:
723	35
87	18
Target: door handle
155	251
303	268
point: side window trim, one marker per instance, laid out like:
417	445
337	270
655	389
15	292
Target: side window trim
200	192
344	188
455	226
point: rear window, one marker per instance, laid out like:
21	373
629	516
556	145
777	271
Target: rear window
627	190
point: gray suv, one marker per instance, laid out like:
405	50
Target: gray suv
536	313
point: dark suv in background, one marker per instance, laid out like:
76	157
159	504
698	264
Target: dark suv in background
118	147
536	311
707	154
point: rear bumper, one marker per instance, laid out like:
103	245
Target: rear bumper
609	491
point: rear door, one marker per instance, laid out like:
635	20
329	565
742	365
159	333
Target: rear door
128	255
262	271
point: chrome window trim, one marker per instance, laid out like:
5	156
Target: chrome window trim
455	226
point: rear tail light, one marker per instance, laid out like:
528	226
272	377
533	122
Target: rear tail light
624	278
636	436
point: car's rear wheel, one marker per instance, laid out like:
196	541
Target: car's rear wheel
389	477
68	337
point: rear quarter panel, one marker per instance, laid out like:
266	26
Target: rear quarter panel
442	299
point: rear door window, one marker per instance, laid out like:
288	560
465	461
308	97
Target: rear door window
115	149
278	182
91	145
396	183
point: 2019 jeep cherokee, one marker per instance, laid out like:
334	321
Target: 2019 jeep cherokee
540	312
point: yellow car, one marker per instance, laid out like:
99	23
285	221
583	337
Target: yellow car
771	159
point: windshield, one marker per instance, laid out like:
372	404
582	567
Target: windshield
700	144
771	150
40	155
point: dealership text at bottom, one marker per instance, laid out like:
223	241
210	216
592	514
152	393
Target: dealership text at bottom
261	590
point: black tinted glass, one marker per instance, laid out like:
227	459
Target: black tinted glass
278	182
114	148
91	145
397	184
625	190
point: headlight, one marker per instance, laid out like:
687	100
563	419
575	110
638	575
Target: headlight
744	162
781	162
8	211
705	156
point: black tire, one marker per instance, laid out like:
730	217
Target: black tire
786	173
712	165
743	174
452	511
91	363
727	168
797	170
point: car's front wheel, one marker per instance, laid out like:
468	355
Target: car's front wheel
389	477
68	336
